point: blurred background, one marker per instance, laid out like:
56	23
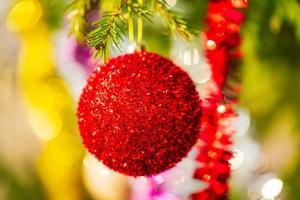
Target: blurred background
42	71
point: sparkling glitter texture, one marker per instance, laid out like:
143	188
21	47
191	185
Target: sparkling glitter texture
139	114
222	40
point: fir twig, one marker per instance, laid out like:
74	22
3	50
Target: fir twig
137	10
78	25
107	30
176	21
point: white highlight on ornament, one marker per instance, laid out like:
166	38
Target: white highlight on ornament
221	109
131	47
237	160
211	45
171	3
271	188
125	47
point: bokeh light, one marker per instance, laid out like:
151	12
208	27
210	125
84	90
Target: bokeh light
272	188
237	160
102	182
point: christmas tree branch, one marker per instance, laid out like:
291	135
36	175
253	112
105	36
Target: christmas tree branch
107	30
78	25
176	21
139	11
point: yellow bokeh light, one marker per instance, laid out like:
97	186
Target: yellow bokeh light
46	123
102	182
49	104
24	15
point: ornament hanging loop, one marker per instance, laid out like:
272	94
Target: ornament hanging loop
130	22
131	25
140	28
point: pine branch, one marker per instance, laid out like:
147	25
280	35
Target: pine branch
137	10
107	30
177	22
78	25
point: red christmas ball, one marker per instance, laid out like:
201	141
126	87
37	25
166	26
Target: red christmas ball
139	114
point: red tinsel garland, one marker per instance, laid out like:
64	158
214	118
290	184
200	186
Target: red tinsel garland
222	39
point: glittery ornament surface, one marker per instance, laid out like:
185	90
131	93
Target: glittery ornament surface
139	114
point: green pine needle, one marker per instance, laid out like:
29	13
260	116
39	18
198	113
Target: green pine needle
176	22
107	30
137	10
78	25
